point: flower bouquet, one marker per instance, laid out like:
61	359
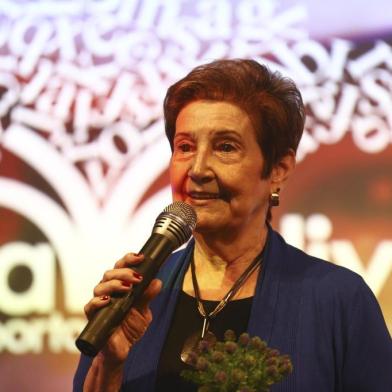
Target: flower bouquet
243	365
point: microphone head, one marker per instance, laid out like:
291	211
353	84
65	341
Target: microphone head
176	221
183	211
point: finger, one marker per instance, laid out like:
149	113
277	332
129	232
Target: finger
149	294
94	304
125	274
129	259
111	287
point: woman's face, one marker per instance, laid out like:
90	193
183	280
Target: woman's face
216	167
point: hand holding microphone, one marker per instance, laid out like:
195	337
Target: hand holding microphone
116	282
172	228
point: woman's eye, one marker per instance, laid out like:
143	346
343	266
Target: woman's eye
184	147
226	147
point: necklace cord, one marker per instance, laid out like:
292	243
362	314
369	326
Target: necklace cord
234	289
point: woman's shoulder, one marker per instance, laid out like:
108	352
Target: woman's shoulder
318	273
337	292
334	309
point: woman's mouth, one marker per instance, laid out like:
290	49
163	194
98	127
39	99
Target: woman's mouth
202	195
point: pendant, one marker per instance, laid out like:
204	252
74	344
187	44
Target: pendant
206	324
190	345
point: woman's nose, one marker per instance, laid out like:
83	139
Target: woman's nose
200	170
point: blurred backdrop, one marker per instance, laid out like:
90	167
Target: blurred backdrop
83	157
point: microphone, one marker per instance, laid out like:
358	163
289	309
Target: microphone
173	227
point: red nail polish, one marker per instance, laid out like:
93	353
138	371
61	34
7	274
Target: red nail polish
104	298
138	276
126	284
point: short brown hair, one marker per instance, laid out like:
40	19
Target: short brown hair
272	102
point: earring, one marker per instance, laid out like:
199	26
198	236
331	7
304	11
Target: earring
274	198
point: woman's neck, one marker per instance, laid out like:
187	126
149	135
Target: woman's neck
220	262
230	250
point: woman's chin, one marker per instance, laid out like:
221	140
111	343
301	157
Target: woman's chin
212	215
209	223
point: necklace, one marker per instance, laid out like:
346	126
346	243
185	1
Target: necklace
191	342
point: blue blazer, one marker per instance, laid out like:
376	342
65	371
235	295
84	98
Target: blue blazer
323	315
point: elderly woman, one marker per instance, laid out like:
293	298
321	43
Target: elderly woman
234	127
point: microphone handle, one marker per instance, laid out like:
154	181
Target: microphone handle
105	321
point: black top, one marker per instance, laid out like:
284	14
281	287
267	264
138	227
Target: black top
186	321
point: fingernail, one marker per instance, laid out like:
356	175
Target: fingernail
139	254
104	298
126	284
137	275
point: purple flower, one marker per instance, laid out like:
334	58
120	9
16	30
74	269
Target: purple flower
236	365
244	339
258	344
238	375
210	338
229	336
273	353
272	361
285	368
202	364
231	347
219	346
217	356
203	346
220	376
272	371
250	360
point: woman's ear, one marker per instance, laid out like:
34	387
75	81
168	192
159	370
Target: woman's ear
282	170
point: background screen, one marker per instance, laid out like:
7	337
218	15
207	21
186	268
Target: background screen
83	157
